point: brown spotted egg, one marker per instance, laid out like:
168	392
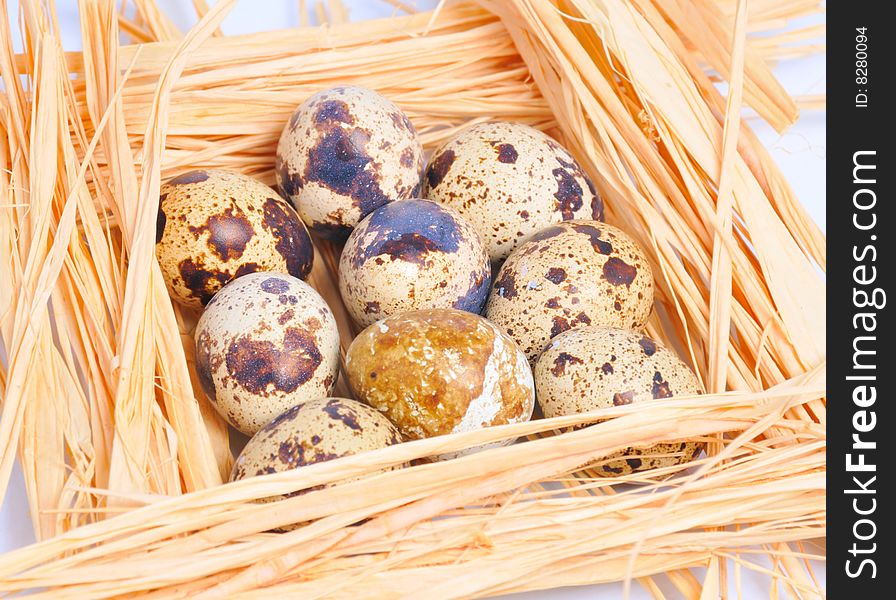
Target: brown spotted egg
598	367
313	432
440	371
214	226
572	274
510	180
345	152
265	343
409	255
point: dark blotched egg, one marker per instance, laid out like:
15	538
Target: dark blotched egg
214	226
265	343
510	180
572	274
598	367
409	255
345	152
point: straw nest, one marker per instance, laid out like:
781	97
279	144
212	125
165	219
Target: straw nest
123	457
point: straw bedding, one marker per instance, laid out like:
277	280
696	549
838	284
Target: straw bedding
123	457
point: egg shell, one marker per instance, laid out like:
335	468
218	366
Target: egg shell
314	432
589	368
510	180
265	343
214	226
572	274
440	371
345	152
410	255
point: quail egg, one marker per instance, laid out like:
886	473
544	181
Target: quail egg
265	343
572	274
510	180
314	432
598	367
214	226
345	152
440	371
413	254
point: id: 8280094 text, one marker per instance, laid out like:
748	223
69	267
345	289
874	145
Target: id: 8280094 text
862	62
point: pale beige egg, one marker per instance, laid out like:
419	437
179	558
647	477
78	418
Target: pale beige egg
589	368
510	180
410	255
313	432
265	343
571	274
214	226
345	152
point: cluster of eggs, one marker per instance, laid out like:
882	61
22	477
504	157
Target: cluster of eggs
482	281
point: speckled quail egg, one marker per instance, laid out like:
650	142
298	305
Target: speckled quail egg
597	367
345	152
510	180
214	226
314	432
569	275
440	371
409	255
266	342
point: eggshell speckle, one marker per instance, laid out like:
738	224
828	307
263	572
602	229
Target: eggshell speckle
598	367
345	152
569	275
510	180
265	343
214	226
409	255
440	371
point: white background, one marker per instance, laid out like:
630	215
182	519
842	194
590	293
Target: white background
800	152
